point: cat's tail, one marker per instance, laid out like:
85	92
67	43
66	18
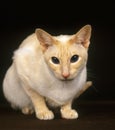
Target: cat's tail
85	87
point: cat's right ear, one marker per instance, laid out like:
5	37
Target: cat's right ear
44	38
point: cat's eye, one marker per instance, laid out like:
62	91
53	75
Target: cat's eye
74	58
55	60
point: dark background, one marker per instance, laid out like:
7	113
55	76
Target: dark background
19	19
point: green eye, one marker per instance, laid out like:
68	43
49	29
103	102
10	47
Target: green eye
74	58
55	60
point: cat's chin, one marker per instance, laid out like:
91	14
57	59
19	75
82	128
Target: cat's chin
67	79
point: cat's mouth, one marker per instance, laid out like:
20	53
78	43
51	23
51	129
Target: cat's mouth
67	79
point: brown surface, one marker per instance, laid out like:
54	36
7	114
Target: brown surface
93	115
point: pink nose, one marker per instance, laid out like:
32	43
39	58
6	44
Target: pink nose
65	75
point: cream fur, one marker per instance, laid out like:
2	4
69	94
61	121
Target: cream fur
31	81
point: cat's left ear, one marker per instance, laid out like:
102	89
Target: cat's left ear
44	38
83	36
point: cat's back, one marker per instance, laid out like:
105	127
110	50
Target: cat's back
27	58
29	41
28	50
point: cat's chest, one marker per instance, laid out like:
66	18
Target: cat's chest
60	92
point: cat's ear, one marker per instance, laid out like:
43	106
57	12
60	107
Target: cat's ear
44	38
83	36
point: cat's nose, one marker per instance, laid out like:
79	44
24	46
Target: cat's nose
65	75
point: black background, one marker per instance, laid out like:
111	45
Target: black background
19	19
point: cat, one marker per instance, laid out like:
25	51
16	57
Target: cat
48	70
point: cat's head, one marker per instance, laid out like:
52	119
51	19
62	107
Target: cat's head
65	55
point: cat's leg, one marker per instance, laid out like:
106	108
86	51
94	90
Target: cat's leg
27	110
67	112
41	110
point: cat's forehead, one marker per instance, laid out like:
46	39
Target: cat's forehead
63	38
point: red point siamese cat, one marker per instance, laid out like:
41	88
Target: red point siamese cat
50	70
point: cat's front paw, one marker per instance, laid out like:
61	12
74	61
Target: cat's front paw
45	115
69	113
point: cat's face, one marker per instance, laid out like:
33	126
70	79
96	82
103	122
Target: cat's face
66	59
65	55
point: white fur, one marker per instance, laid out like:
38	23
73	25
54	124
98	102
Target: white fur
25	67
63	38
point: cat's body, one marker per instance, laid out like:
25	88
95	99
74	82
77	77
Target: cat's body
48	69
